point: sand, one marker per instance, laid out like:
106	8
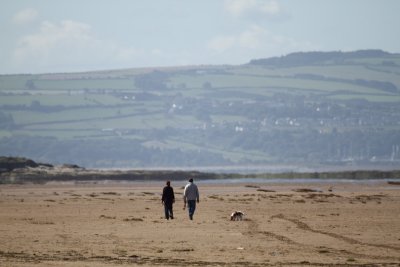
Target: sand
122	224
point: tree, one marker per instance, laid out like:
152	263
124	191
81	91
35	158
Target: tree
6	120
155	80
207	85
30	85
35	104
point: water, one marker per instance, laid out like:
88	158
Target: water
293	181
243	181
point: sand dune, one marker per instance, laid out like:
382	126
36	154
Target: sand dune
122	224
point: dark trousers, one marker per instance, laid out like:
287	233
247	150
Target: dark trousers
191	207
168	211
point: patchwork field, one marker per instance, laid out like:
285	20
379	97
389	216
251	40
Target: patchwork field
305	108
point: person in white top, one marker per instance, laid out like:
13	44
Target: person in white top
191	196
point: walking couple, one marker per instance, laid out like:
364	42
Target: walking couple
190	197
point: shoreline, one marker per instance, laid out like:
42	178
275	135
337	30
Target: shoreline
22	170
44	174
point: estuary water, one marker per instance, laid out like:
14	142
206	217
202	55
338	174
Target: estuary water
293	181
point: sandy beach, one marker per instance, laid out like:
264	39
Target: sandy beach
118	224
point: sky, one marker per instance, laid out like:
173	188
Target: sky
45	36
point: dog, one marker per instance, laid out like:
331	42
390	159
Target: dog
237	215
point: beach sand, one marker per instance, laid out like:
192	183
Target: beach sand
118	224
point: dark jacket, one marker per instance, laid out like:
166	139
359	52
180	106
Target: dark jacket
168	195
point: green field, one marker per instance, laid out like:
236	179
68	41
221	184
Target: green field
247	113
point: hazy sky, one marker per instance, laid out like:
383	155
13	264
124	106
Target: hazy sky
76	35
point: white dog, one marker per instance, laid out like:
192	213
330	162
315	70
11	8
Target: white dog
237	215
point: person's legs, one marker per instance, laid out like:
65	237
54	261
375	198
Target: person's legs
191	208
171	212
166	211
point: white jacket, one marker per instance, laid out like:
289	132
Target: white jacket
191	192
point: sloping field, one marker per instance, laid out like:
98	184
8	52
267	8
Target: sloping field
211	108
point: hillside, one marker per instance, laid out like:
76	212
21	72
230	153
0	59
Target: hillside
306	109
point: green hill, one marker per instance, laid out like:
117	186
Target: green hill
303	109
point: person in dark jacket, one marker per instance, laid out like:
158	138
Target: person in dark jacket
168	199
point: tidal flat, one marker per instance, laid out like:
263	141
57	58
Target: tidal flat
122	224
